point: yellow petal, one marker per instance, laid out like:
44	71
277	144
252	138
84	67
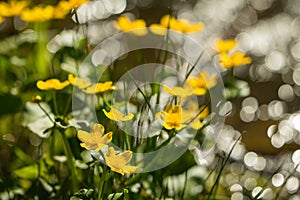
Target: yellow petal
98	128
116	115
225	45
106	138
79	82
99	87
84	136
158	29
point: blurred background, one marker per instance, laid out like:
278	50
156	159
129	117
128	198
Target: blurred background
265	98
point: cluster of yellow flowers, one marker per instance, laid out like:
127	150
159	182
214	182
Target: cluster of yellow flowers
96	141
38	12
138	27
228	57
174	116
85	86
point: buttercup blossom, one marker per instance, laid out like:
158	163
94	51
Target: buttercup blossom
178	91
193	115
88	88
172	23
202	83
225	45
172	117
234	60
99	87
116	115
78	82
71	4
137	27
38	14
95	140
118	163
12	8
52	84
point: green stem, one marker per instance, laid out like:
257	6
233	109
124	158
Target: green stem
67	106
41	55
70	160
55	103
101	185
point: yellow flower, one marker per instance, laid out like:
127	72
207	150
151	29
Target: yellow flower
38	14
172	117
88	88
172	23
178	91
234	60
78	82
137	27
225	45
202	83
1	19
116	115
175	117
193	115
118	163
99	87
12	8
64	7
52	84
76	3
95	140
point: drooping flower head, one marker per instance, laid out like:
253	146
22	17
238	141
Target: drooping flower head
118	162
95	140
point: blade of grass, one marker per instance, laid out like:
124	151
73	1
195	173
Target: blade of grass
215	185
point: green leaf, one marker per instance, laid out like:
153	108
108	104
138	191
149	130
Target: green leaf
115	196
28	172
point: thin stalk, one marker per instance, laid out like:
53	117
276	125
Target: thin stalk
185	184
55	103
46	113
102	181
70	160
67	106
215	185
193	67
